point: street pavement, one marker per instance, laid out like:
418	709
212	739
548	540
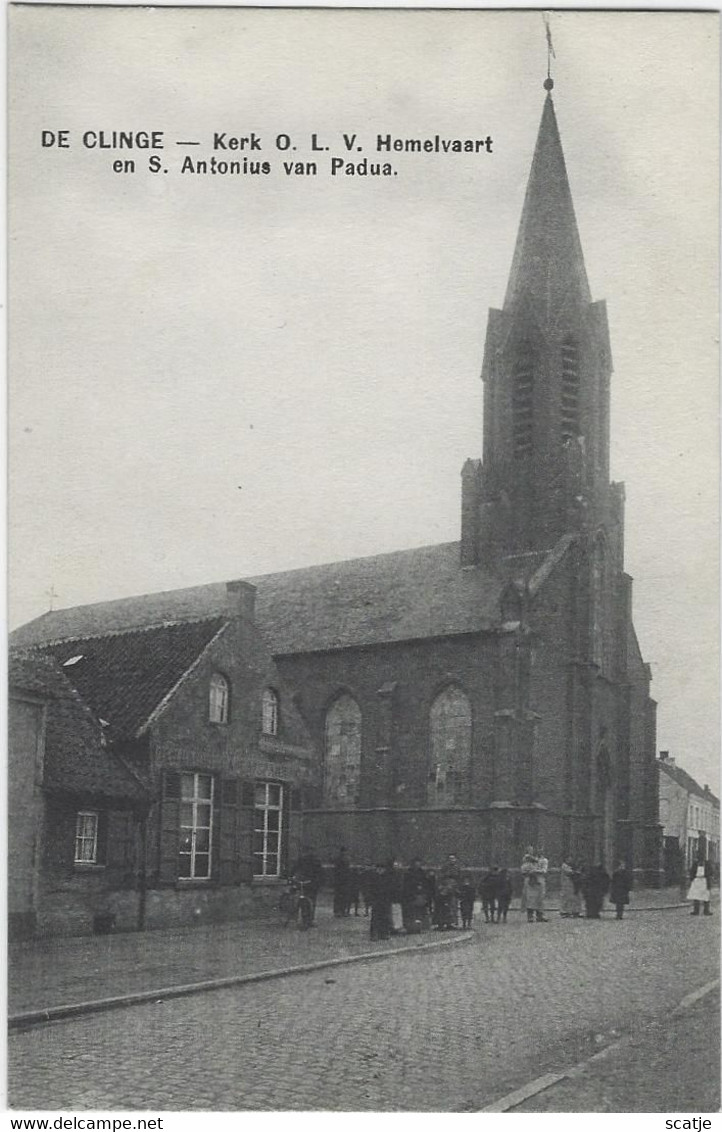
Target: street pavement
450	1030
56	972
669	1065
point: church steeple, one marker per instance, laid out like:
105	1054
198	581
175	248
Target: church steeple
548	262
547	364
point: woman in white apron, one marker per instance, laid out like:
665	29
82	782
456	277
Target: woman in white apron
699	889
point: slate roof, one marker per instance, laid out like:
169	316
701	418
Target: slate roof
685	780
403	595
123	677
76	758
548	260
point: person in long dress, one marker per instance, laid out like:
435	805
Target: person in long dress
596	887
533	869
700	877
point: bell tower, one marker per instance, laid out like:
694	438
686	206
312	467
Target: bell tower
546	373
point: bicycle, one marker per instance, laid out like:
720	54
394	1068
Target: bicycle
296	904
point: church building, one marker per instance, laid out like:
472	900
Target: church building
477	696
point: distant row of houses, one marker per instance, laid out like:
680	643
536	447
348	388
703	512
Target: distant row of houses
689	815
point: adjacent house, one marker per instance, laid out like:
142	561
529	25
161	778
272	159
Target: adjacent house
174	789
74	807
689	814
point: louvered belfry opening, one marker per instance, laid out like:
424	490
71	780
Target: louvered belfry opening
523	403
570	390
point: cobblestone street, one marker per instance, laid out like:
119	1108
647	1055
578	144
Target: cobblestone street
447	1030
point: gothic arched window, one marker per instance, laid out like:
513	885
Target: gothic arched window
522	402
342	765
450	748
570	390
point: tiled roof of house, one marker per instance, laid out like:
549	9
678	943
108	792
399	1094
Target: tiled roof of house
404	595
685	780
76	758
123	677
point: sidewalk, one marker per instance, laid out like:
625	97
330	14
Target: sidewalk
45	974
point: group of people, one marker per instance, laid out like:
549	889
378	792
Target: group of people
415	899
583	889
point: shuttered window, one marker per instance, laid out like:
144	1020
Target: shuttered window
228	841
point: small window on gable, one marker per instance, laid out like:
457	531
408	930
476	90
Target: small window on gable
269	712
86	838
218	699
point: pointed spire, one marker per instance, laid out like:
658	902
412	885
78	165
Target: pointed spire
548	263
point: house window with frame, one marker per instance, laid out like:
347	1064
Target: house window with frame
218	699
268	829
269	712
196	826
86	837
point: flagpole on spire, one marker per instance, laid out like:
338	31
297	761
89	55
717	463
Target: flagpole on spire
549	81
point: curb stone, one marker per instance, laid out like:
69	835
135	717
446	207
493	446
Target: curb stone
29	1018
548	1080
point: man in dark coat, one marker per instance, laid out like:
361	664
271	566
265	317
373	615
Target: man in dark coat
595	888
309	869
620	888
415	897
503	895
447	887
341	883
488	892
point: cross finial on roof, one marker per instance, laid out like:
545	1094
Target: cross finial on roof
549	81
51	595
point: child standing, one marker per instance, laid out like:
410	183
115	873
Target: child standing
503	895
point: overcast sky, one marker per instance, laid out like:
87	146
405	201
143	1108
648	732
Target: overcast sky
214	377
